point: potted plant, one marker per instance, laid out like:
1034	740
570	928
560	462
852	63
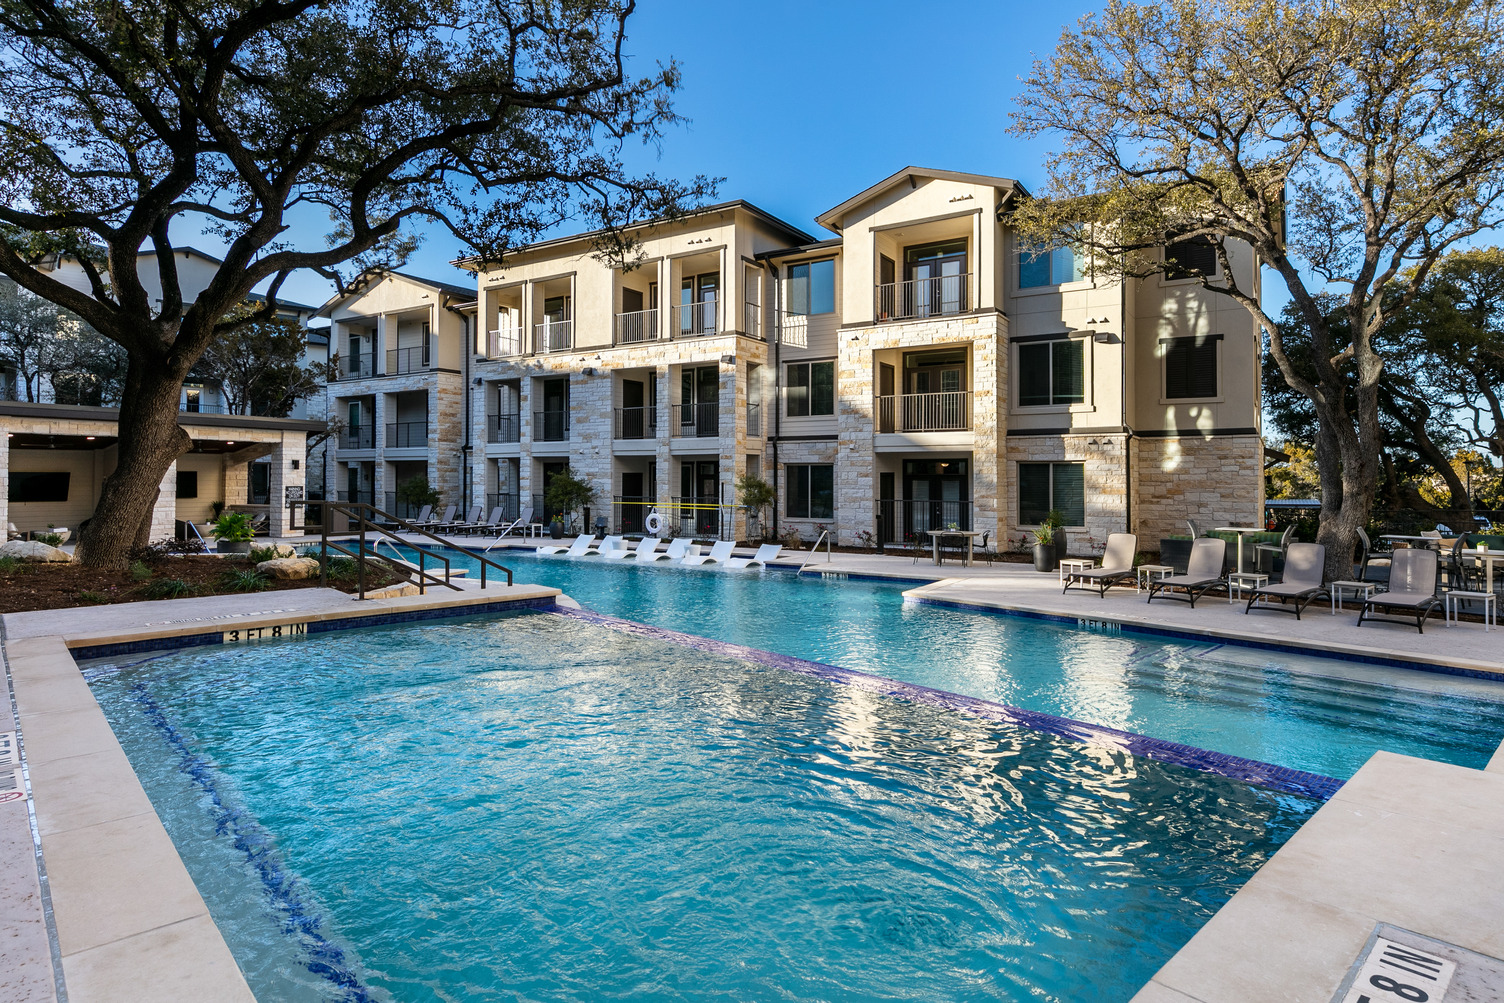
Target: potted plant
233	533
1048	542
566	495
556	526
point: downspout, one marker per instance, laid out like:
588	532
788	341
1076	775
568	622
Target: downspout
1123	404
777	385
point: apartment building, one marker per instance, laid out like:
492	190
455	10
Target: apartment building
916	369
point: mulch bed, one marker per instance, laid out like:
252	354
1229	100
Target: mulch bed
62	586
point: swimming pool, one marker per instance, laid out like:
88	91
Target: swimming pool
1322	715
526	807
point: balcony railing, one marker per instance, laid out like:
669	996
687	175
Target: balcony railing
754	419
405	434
752	320
553	336
699	516
550	426
944	412
910	520
504	343
632	513
940	296
357	367
793	328
696	320
503	428
406	360
636	326
201	407
364	497
358	437
510	504
697	421
403	509
636	423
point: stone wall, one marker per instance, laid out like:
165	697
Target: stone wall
1105	475
1216	481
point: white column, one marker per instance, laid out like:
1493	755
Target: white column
384	329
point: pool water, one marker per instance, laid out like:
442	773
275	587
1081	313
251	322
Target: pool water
531	808
1322	715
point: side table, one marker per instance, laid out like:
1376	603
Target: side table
1490	609
1151	573
1363	590
1239	580
1076	564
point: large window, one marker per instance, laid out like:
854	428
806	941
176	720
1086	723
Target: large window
1047	267
38	486
1046	486
812	287
1051	372
1186	259
1190	367
187	484
810	389
811	491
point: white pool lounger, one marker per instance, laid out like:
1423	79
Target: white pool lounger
610	545
719	554
767	552
576	549
643	552
676	552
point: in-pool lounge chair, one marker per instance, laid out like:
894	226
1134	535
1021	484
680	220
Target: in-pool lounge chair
644	549
767	552
1202	574
1412	590
609	545
1116	569
578	548
1305	569
720	553
677	551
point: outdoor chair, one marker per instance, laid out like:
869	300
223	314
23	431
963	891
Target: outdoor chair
520	524
1304	580
576	549
677	551
491	523
1203	573
1372	566
1273	550
431	524
610	545
767	552
1412	590
1196	534
719	553
463	525
643	552
1116	569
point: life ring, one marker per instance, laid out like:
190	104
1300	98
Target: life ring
653	523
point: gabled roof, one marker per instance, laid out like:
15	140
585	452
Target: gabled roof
830	218
368	278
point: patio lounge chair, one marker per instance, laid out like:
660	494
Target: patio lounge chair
519	524
609	545
1116	569
767	552
576	549
1412	590
645	548
462	525
491	523
1305	567
1202	574
719	554
677	551
432	524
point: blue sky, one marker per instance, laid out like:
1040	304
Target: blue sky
801	105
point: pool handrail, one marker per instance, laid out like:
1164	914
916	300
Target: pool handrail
365	516
823	538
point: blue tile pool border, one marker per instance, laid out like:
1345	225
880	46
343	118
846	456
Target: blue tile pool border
1336	654
1250	771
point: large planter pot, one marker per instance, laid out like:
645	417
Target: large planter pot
233	546
1044	557
556	530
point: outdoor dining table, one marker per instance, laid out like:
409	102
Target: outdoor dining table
1430	541
1488	557
1242	531
969	534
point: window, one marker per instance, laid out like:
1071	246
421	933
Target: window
812	287
1046	486
811	491
187	483
811	389
1051	372
1039	267
1190	367
38	486
1186	259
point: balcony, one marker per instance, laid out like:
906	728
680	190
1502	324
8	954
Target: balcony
550	426
358	437
406	434
357	367
636	423
503	428
553	336
196	406
406	360
365	497
940	296
403	509
697	421
754	419
696	320
943	412
504	343
632	513
696	516
636	327
910	520
752	320
510	504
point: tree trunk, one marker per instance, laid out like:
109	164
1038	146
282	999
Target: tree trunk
150	440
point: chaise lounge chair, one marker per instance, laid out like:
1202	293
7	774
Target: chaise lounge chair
719	554
432	524
463	525
1116	569
1202	574
576	549
492	523
610	545
1305	569
1412	590
644	549
677	551
767	552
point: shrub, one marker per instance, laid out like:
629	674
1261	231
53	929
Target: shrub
415	492
169	588
259	554
9	564
156	553
51	539
243	580
341	567
93	597
567	494
233	527
139	571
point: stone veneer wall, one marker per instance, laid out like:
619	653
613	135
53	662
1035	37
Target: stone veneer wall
1216	481
1106	480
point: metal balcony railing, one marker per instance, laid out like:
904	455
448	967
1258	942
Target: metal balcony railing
357	367
908	520
754	419
636	423
553	336
550	426
358	437
405	434
696	320
402	509
510	504
366	496
940	296
696	516
697	421
752	320
201	407
407	360
632	513
944	412
504	342
503	428
636	326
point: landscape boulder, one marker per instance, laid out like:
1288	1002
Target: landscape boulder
289	568
35	552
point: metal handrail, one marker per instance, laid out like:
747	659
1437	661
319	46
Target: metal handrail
358	511
825	538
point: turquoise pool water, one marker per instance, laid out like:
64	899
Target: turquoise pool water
1323	715
529	808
